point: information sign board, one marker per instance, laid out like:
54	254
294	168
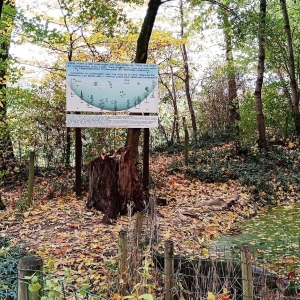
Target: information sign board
111	121
114	87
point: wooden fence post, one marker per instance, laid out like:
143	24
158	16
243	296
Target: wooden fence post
138	228
134	257
153	218
169	269
122	257
247	282
30	266
137	236
31	178
186	143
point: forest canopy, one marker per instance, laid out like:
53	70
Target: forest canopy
223	67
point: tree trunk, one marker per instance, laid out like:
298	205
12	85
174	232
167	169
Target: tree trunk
133	134
1	5
176	112
292	68
173	97
262	143
187	78
132	141
114	184
67	152
6	146
232	87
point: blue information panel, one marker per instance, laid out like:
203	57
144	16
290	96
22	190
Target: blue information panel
112	87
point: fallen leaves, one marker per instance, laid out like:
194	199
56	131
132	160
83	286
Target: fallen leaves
66	235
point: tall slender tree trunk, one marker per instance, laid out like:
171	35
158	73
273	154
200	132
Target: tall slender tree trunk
67	152
133	134
6	146
172	95
262	142
292	68
1	5
187	76
231	77
175	130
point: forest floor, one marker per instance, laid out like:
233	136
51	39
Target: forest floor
59	228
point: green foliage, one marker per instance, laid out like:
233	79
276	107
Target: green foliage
277	110
36	120
22	203
143	289
211	140
206	140
9	256
52	288
3	173
10	251
37	29
277	113
247	124
140	2
34	285
169	147
112	266
97	139
93	30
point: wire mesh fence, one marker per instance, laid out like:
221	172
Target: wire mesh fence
13	286
57	288
270	268
219	273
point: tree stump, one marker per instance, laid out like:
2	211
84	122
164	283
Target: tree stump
113	183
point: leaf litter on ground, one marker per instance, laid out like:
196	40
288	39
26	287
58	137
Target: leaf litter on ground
59	228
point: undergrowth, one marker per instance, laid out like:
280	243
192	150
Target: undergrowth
265	173
204	142
9	257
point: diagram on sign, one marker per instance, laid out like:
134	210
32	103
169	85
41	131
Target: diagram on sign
112	87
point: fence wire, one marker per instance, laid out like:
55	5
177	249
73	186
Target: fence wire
275	276
59	289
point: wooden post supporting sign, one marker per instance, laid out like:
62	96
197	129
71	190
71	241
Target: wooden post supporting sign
78	160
